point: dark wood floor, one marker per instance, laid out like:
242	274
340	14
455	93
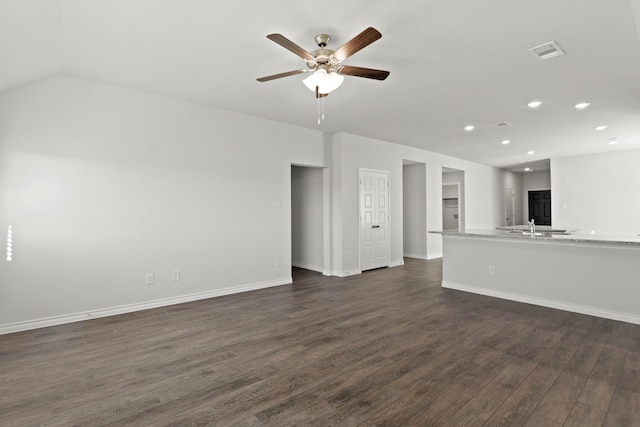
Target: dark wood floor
388	347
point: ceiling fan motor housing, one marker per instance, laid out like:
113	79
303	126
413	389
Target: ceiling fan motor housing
322	56
322	40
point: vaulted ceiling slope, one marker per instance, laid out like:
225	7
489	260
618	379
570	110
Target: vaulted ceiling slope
452	63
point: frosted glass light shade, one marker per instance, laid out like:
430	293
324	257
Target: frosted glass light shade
326	82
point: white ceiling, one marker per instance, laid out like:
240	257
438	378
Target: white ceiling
452	62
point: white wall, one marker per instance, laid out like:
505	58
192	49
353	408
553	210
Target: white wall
597	192
597	279
540	180
104	184
307	218
414	199
449	191
483	195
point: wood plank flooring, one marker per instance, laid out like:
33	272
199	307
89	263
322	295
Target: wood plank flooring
389	347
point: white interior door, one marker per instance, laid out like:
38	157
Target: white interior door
509	198
374	220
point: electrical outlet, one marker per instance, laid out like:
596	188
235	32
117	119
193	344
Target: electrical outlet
149	279
277	263
175	275
492	270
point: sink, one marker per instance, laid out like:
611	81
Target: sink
548	231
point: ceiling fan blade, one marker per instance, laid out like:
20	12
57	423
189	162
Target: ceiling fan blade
278	76
368	73
288	44
360	41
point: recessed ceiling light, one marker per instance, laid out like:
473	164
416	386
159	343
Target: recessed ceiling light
528	170
469	128
601	127
505	142
534	104
582	105
612	141
531	152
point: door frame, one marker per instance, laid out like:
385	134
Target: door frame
457	185
326	215
360	171
513	206
525	212
462	192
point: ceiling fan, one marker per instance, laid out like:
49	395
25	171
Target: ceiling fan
328	72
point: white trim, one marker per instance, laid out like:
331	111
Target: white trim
397	263
371	170
513	205
457	185
416	256
591	311
326	225
306	266
113	311
347	273
388	173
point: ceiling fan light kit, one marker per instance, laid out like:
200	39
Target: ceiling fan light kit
326	82
325	64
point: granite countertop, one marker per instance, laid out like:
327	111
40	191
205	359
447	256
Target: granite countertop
547	235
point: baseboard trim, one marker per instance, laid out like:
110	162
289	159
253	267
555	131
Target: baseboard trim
347	273
397	263
416	256
307	266
129	308
591	311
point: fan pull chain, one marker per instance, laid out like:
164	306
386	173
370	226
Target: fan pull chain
320	101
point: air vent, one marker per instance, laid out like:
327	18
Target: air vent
502	124
547	51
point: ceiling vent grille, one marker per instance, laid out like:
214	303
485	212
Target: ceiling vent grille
547	51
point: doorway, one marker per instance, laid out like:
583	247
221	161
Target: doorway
414	209
453	203
540	206
374	219
509	207
450	207
307	218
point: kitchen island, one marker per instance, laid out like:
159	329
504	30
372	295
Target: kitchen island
591	274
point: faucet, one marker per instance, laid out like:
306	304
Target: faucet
532	226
